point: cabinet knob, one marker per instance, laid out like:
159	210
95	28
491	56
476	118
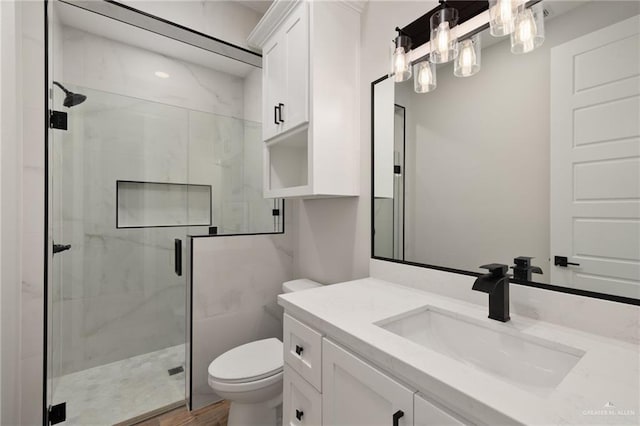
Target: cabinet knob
299	414
299	350
397	416
275	114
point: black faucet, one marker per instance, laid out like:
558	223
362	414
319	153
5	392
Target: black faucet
496	283
523	268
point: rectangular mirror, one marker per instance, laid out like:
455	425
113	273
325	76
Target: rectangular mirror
537	155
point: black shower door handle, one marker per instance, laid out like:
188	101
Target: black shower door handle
177	248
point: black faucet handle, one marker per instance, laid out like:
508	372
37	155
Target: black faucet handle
522	261
496	269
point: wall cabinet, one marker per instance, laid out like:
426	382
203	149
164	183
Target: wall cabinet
353	392
311	98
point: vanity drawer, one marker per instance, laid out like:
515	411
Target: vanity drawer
302	404
303	350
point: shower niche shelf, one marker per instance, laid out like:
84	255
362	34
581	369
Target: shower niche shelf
161	204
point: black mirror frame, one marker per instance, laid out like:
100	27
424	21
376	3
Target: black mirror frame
543	286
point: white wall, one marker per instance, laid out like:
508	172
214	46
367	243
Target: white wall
32	230
236	281
10	184
333	235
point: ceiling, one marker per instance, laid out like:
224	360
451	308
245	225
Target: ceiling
128	34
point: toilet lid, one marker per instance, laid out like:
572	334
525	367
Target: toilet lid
251	361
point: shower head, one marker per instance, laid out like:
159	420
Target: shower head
72	99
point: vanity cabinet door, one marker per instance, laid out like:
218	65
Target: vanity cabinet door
428	414
301	403
355	393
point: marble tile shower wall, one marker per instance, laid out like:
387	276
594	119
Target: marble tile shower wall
119	295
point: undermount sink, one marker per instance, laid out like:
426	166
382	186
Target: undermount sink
536	364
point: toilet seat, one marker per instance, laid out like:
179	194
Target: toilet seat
252	362
246	387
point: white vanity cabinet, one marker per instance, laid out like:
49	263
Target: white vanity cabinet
426	413
355	393
310	105
351	391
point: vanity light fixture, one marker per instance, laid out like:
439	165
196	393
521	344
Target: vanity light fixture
468	61
400	63
502	16
161	74
444	42
528	32
524	24
424	79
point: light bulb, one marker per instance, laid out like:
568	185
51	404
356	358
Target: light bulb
525	31
401	67
425	77
467	58
442	40
502	16
505	13
468	61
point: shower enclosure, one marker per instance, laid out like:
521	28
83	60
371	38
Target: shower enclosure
151	140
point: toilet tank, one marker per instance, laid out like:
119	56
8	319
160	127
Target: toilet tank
297	285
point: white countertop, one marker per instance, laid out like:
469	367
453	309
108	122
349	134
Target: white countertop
609	370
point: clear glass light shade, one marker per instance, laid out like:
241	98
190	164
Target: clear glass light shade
502	16
444	42
468	61
424	79
400	65
528	32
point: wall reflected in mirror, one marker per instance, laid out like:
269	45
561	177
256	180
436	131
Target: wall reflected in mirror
536	155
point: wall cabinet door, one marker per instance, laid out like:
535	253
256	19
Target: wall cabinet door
295	110
274	81
355	393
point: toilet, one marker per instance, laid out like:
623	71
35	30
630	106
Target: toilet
250	375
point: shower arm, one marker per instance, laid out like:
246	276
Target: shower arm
62	87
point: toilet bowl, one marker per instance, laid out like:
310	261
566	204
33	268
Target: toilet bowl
250	375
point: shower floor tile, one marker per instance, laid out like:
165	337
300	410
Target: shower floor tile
122	390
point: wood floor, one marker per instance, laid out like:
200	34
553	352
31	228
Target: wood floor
213	415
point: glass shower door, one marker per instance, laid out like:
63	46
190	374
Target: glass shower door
120	198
